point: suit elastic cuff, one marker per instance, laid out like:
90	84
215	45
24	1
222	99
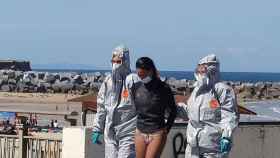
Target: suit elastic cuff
227	133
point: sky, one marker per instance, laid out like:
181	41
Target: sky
244	35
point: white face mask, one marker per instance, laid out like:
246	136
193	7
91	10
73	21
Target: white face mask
201	79
146	79
116	66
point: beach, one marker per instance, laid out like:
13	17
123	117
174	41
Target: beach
47	107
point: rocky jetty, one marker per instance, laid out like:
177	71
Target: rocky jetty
45	82
74	83
244	91
15	65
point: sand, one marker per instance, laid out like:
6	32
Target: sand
35	97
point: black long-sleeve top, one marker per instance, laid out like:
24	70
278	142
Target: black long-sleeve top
153	101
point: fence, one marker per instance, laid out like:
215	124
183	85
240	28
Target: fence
23	146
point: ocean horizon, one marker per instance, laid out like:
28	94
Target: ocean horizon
226	76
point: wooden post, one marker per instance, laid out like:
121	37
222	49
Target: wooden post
84	117
22	131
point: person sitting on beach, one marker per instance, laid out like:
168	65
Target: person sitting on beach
153	100
116	115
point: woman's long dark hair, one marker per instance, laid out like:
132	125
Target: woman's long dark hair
147	63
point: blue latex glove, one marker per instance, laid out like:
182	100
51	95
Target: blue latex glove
95	138
225	145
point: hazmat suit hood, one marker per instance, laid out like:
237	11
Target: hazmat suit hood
212	72
120	71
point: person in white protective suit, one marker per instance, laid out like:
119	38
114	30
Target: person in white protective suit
116	115
212	113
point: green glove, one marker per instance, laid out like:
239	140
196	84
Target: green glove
225	145
95	138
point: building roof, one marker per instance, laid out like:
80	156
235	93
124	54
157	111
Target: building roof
88	101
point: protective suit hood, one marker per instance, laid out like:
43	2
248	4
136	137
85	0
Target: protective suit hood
209	59
213	69
119	72
123	53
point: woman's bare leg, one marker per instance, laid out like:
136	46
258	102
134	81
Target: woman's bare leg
156	146
140	145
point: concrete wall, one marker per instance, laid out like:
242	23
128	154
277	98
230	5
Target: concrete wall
250	141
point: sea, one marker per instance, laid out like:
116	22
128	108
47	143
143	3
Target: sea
252	77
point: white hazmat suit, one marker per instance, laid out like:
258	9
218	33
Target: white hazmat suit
116	115
212	113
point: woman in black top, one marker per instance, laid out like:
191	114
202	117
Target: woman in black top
153	101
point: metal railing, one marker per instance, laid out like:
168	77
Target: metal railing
21	146
38	147
8	146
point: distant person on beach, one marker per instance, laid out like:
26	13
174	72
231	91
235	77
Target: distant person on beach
55	124
212	113
34	120
116	115
52	124
153	101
